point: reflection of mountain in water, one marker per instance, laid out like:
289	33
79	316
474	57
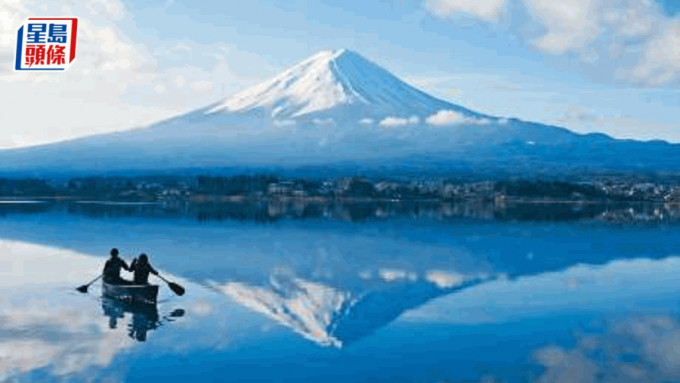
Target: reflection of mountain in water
331	317
308	308
345	280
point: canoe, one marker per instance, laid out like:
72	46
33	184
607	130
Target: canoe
142	294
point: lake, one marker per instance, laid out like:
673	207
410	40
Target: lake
355	292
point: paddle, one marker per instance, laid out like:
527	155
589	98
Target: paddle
177	289
83	288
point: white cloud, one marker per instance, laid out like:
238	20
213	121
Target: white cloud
112	8
74	102
568	24
117	82
445	117
366	121
284	123
323	121
180	81
201	86
391	122
180	48
488	10
609	33
451	117
660	63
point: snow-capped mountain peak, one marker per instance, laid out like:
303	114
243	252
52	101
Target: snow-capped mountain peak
340	112
328	80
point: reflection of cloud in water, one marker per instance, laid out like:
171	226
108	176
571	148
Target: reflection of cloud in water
40	325
44	322
579	288
201	308
42	333
563	366
637	349
659	338
391	275
24	263
448	279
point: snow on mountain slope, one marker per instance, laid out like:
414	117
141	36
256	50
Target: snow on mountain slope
307	87
333	79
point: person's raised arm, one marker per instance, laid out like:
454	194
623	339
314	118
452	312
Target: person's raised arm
125	265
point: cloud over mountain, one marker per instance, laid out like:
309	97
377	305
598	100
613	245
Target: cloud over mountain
637	37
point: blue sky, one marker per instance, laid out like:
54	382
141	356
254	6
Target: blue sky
588	65
671	7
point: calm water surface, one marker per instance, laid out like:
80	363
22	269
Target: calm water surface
353	293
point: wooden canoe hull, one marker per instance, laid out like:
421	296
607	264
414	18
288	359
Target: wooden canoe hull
142	294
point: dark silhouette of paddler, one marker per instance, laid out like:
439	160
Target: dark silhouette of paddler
141	267
112	269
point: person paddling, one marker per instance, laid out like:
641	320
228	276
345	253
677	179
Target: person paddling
112	269
141	267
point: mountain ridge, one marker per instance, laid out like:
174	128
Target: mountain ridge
338	110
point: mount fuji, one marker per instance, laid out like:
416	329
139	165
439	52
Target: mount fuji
341	113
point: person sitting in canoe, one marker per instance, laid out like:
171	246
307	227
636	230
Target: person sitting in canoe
141	267
112	269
